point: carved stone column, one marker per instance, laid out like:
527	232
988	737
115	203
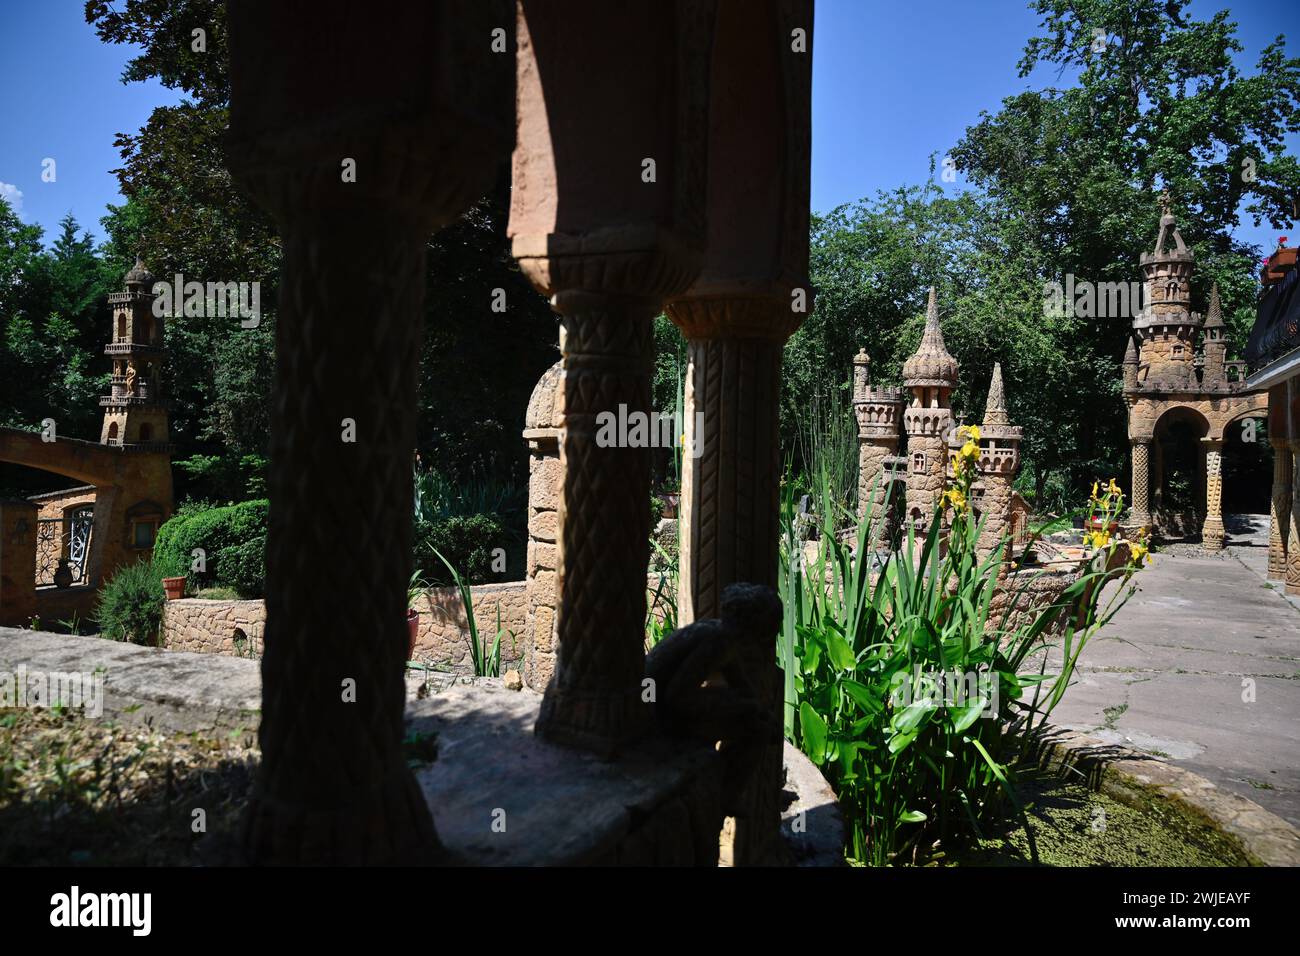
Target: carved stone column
730	504
1212	533
607	218
751	295
1293	537
594	698
1140	510
1281	511
409	100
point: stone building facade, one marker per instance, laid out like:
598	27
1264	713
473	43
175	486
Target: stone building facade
1178	395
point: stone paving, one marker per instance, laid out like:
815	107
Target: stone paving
1173	673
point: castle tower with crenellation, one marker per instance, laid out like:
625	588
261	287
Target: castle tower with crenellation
134	413
930	375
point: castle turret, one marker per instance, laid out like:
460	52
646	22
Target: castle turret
1215	346
999	461
1130	366
931	375
1166	327
879	413
133	412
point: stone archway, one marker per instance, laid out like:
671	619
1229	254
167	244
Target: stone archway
1247	464
1178	471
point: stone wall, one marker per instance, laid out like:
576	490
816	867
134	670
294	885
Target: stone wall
235	628
444	630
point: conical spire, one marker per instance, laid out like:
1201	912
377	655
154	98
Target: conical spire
932	363
1130	353
995	411
1214	318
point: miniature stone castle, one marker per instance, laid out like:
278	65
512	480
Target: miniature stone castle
1176	394
922	410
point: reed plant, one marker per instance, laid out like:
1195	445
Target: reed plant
914	699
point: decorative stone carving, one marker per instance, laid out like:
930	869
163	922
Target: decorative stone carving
1212	533
1280	519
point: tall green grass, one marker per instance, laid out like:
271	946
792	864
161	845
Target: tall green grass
862	627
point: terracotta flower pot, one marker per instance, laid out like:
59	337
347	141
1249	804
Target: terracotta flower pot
413	629
174	588
1096	524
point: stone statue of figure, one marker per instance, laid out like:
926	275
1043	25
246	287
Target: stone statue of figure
130	378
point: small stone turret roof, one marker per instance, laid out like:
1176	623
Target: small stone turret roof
545	414
932	364
1130	353
139	275
1214	317
995	410
997	421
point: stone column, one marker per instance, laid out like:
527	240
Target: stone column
607	219
750	296
1140	504
730	504
17	561
594	699
1281	510
1212	533
410	99
1293	537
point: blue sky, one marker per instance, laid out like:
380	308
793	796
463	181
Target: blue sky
892	83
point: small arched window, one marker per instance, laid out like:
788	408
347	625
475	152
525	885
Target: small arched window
121	326
112	432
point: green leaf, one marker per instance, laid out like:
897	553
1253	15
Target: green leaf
814	733
839	651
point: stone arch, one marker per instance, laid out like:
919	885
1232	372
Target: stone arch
112	432
1178	468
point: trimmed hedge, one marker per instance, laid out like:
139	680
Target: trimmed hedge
243	567
467	542
228	528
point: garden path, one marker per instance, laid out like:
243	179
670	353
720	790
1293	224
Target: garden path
1202	666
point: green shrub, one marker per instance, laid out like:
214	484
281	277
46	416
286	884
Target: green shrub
212	530
131	603
467	542
243	567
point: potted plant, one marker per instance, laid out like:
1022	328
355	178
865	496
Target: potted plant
174	587
1105	505
414	589
1279	263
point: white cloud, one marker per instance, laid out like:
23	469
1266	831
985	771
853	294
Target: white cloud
12	195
